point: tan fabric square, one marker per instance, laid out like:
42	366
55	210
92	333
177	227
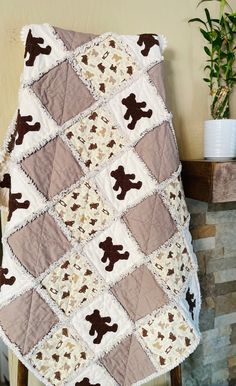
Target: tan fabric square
53	168
150	223
34	320
158	150
139	293
63	93
73	39
128	363
156	75
39	244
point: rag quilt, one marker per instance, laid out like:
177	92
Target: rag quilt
99	279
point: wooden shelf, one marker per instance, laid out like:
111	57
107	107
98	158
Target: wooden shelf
210	181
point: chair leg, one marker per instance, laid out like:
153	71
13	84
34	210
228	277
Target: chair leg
22	374
176	376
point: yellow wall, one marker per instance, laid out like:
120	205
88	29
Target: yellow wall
188	94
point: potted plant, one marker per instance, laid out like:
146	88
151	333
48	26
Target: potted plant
220	48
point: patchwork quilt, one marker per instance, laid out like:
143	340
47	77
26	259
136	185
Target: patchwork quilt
99	279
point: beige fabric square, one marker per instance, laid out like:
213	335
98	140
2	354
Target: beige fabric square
128	362
63	93
156	75
59	356
106	65
39	244
168	337
150	223
53	168
173	195
34	320
83	212
139	293
96	138
158	150
173	264
73	283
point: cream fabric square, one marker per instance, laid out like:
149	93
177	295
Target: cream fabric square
38	126
45	50
24	197
113	252
94	375
126	181
138	108
13	279
102	323
148	48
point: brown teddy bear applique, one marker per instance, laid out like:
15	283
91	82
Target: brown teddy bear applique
149	40
3	280
23	127
33	48
135	110
86	382
124	182
100	326
111	253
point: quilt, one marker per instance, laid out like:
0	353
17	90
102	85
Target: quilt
99	279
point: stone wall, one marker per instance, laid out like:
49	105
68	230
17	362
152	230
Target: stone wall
213	228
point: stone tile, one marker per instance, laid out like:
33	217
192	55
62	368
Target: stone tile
216	355
225	319
211	347
221	206
204	244
197	219
221	217
216	253
232	372
232	361
201	258
195	206
232	382
206	320
229	251
215	265
225	304
203	231
233	333
225	275
225	288
220	376
216	332
207	284
225	235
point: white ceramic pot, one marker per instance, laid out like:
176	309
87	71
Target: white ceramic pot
220	139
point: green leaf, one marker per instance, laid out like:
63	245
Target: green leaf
206	35
197	19
206	80
208	16
207	51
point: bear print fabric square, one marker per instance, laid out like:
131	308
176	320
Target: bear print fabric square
73	283
102	323
60	355
126	181
96	138
106	65
138	108
98	285
113	252
83	212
